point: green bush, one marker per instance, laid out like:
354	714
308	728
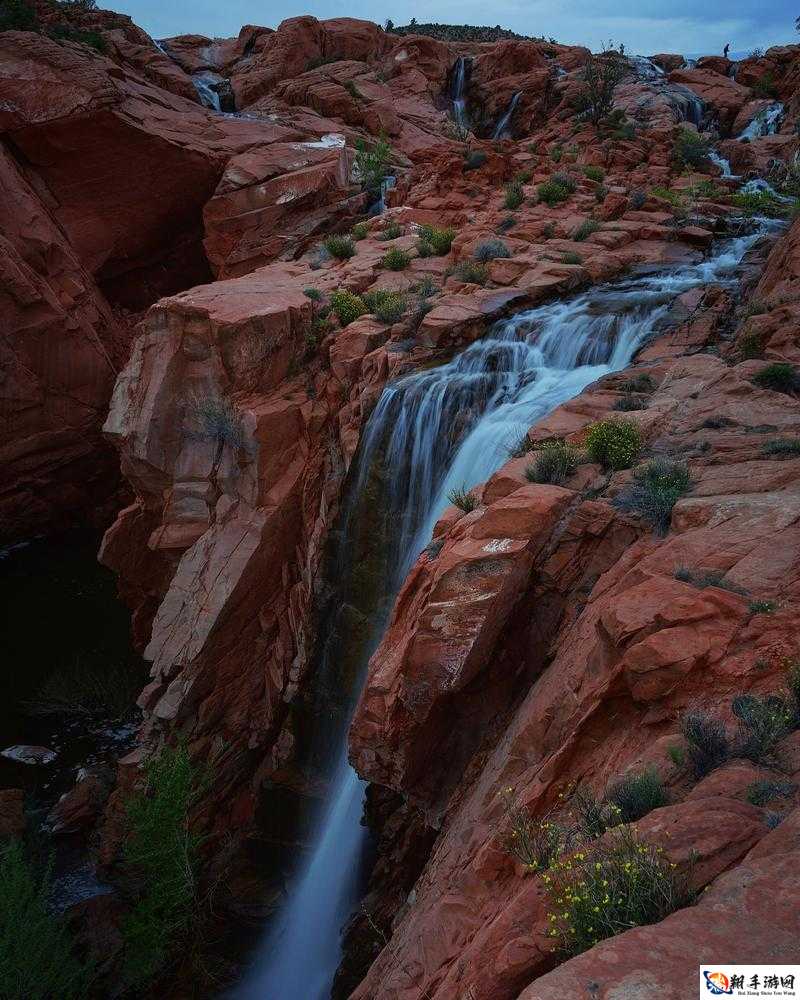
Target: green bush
589	814
600	193
507	223
637	199
439	240
585	230
639	383
762	792
37	957
654	490
565	180
548	231
513	196
760	203
594	173
620	883
18	15
463	499
750	345
628	402
348	306
491	250
352	90
216	418
780	377
388	307
426	287
781	448
667	194
554	463
571	258
67	33
556	153
707	743
636	795
552	193
396	259
474	160
162	852
763	723
372	163
535	843
360	231
707	578
471	273
392	231
614	444
341	247
690	149
312	293
761	607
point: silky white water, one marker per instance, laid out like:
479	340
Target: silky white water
457	87
450	427
505	121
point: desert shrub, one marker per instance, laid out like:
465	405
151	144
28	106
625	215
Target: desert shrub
589	814
348	306
761	607
763	723
474	160
585	230
600	193
707	578
636	795
637	199
552	193
677	755
372	162
421	310
565	180
162	852
216	418
396	259
352	90
521	446
471	273
548	231
18	15
556	153
620	883
639	383
707	743
360	231
667	194
654	490
426	287
781	448
750	345
490	250
625	132
690	149
759	203
571	258
780	377
613	443
507	223
759	793
388	307
707	189
535	843
87	689
629	402
463	499
341	247
523	176
594	173
439	240
37	957
392	231
312	293
765	86
601	74
513	196
554	463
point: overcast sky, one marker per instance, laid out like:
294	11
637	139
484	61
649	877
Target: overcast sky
645	26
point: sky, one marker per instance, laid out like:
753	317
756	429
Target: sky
645	26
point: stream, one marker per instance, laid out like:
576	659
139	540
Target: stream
430	432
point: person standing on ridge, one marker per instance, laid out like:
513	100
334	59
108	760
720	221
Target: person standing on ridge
726	49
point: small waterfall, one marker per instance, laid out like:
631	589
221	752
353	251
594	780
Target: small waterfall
759	186
204	84
766	122
723	164
505	121
458	86
646	69
431	432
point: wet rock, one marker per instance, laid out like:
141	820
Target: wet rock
24	754
81	807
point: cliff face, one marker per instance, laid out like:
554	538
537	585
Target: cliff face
546	639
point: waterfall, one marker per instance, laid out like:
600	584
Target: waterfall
204	85
723	164
458	86
646	69
430	432
505	121
766	122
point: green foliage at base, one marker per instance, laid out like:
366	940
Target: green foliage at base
162	852
654	490
396	259
463	499
554	463
387	306
341	247
348	306
37	959
614	443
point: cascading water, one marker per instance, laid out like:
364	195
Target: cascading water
431	432
766	122
458	86
204	85
502	126
723	164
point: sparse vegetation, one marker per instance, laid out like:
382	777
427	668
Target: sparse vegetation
396	259
639	383
629	402
535	843
763	723
463	499
513	196
781	448
620	883
750	346
38	960
216	418
490	250
552	193
707	743
760	203
780	377
507	223
388	307
471	273
585	230
554	463
340	247
601	75
360	231
348	306
392	231
654	490
762	607
436	241
571	258
760	793
372	163
615	444
637	199
18	15
594	173
474	159
636	795
707	578
313	293
690	150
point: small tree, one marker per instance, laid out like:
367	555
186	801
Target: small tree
371	163
601	75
